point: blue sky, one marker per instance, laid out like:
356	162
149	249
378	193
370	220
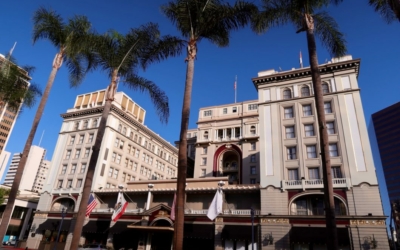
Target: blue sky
368	37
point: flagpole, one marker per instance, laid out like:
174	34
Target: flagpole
235	86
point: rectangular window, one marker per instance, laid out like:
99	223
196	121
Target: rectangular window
116	142
204	161
293	174
289	132
330	126
110	172
311	151
327	107
108	185
59	183
252	146
69	184
253	170
204	150
78	183
90	139
309	130
207	112
123	176
68	154
291	153
253	158
87	151
253	106
224	111
307	111
83	168
135	166
72	140
114	156
252	181
203	172
313	173
137	153
81	139
289	112
118	161
115	173
333	150
77	153
126	162
336	172
64	169
234	109
73	169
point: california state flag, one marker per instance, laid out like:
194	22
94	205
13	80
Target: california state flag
119	208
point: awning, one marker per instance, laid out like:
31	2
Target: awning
198	231
96	226
53	225
151	228
120	226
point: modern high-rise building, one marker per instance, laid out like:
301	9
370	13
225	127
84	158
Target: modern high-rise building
32	168
130	151
387	131
41	176
8	116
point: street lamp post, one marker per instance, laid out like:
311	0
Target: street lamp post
63	211
252	228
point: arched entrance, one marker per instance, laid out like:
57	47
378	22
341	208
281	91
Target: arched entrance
228	162
161	239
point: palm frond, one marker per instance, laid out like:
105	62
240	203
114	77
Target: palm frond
388	9
48	25
157	96
34	91
327	30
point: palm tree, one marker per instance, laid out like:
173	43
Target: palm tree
389	9
196	20
302	14
120	56
69	39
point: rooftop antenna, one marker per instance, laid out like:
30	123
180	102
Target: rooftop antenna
235	87
41	137
301	60
280	69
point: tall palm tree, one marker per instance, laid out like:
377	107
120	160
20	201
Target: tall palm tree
196	20
69	39
389	9
120	57
304	16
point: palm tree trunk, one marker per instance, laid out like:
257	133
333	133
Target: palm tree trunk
332	238
24	156
182	158
80	218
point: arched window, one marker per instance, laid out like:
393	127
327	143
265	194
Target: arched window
253	130
76	126
85	124
305	91
314	205
131	135
135	138
94	123
140	140
152	148
325	88
119	128
124	131
145	144
206	135
287	94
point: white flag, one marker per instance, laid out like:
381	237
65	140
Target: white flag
216	206
119	208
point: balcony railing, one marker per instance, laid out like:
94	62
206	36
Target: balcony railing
226	211
110	210
312	184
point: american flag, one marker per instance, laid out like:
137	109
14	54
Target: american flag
92	203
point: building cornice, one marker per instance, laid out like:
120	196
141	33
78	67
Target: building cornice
306	72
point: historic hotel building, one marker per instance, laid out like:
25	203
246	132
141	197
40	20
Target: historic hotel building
263	155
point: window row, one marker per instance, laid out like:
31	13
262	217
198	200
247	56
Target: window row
73	169
81	139
229	133
78	125
309	130
252	106
77	153
304	91
311	151
314	173
307	110
69	183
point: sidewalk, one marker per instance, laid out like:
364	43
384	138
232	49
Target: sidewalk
11	248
